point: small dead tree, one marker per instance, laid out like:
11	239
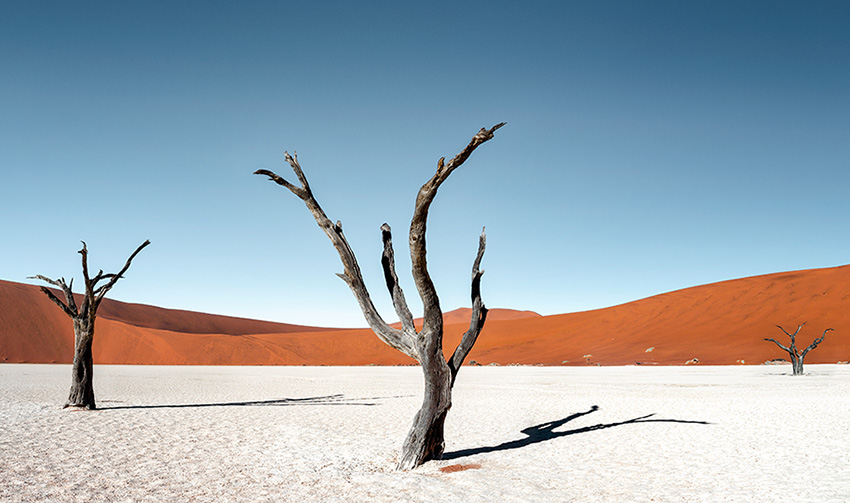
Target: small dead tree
82	389
794	352
425	440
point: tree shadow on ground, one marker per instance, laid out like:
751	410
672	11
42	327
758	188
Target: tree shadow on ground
546	431
337	399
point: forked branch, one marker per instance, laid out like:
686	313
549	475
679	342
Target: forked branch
100	292
302	192
794	335
352	276
792	349
814	344
69	307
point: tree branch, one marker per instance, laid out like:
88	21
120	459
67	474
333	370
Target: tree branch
69	306
69	294
88	283
794	335
814	344
479	313
296	167
792	350
113	278
58	302
281	181
780	345
302	192
391	278
433	316
100	277
45	279
482	136
351	275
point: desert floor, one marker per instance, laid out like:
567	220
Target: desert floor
745	433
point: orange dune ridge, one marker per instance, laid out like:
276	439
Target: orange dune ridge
719	324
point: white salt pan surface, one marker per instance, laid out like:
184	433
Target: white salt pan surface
333	434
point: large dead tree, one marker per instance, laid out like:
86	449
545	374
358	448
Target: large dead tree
794	351
82	388
425	440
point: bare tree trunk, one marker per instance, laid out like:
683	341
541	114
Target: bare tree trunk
82	379
796	365
425	440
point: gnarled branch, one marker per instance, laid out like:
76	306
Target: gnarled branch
479	313
794	335
433	315
69	307
391	278
113	278
814	344
53	282
352	276
780	345
88	282
93	295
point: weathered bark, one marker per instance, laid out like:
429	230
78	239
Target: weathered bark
795	355
425	440
82	376
82	381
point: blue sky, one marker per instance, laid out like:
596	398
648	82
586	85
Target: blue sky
650	146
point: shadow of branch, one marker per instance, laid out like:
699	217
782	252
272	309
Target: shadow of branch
545	431
337	399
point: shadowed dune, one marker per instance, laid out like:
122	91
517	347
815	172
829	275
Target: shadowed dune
190	322
32	329
720	323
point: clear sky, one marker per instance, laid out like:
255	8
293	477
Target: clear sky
650	146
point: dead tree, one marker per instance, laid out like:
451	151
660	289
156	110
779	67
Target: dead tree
82	389
425	439
794	352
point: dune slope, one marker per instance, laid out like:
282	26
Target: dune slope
720	323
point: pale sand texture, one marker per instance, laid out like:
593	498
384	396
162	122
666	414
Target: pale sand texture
333	434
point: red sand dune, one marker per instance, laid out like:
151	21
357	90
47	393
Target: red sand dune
720	323
462	316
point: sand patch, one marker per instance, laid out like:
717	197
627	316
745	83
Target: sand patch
542	434
460	468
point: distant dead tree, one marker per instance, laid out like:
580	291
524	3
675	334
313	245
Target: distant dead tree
82	389
425	439
794	352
